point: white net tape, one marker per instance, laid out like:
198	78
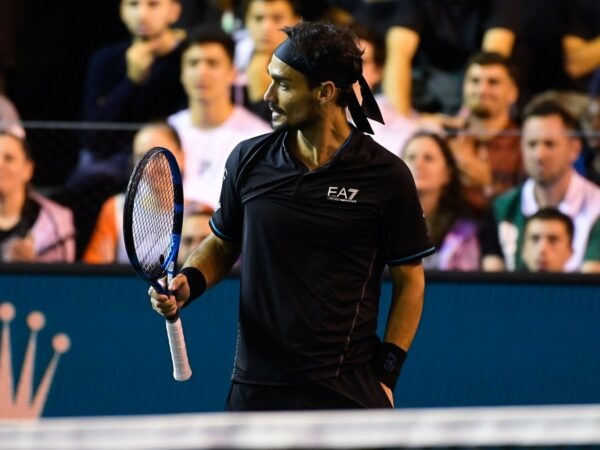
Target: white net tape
448	427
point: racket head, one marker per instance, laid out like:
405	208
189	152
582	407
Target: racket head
153	216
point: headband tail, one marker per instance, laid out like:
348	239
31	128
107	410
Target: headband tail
369	104
358	115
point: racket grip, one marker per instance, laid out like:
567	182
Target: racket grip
181	366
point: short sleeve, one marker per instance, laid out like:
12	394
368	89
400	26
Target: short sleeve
504	14
406	237
227	221
407	15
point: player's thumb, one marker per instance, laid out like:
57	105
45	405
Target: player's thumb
176	283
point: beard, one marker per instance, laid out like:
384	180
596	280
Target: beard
481	112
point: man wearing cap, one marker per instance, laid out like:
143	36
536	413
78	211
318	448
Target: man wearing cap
317	209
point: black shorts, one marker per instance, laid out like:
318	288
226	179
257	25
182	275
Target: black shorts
355	389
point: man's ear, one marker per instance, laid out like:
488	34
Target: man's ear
326	92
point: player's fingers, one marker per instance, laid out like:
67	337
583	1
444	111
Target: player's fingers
166	306
176	282
154	294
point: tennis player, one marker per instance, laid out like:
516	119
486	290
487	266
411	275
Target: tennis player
317	209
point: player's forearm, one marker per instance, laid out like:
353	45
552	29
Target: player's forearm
407	304
214	258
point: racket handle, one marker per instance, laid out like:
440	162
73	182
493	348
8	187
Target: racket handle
181	366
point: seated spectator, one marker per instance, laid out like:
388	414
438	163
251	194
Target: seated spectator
212	125
486	146
106	244
581	45
584	110
547	241
32	227
9	118
397	128
452	228
138	80
550	146
264	20
194	230
429	42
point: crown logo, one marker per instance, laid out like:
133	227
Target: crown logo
24	403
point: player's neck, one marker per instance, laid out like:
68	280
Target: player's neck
316	144
210	114
551	194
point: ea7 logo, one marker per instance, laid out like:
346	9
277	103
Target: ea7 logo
342	194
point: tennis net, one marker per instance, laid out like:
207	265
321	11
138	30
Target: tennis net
574	426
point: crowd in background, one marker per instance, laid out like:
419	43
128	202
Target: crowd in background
494	106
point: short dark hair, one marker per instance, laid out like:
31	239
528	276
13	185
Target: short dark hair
495	59
210	34
330	45
549	213
22	141
295	4
548	107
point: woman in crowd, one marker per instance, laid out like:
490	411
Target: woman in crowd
32	227
106	244
452	225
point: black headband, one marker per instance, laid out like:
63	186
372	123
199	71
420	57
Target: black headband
289	54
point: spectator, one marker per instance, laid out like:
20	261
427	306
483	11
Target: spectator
138	80
195	229
397	128
486	147
106	244
212	125
581	44
264	20
550	147
547	241
435	38
32	227
452	228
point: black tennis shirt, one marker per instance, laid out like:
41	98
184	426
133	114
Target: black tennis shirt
314	246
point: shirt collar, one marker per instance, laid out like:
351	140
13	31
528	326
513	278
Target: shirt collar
571	204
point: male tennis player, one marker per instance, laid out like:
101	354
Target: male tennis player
317	209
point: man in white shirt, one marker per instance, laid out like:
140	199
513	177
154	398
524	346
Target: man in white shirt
212	125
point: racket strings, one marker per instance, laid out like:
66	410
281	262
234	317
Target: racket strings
153	217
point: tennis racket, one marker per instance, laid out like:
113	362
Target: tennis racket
152	220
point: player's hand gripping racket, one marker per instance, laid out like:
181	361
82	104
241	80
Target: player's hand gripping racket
152	220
